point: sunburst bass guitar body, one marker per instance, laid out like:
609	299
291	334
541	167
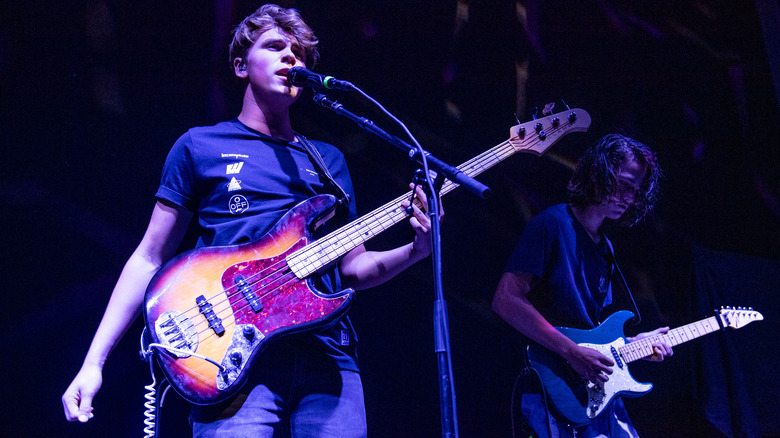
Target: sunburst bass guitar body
234	301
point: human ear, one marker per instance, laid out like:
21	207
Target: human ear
239	68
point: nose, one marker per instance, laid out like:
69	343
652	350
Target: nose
288	57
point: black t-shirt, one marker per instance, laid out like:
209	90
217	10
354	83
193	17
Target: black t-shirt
571	273
240	182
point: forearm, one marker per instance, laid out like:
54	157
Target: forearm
366	269
123	308
511	304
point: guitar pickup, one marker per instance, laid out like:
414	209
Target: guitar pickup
249	294
215	323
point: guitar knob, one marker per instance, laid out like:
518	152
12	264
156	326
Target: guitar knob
236	357
538	127
556	122
249	332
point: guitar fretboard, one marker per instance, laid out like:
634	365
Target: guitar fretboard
333	246
644	347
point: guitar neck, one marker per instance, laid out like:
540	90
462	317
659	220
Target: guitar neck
644	347
524	138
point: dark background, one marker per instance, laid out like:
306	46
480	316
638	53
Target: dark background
94	93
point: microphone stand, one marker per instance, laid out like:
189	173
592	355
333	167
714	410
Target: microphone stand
450	172
449	420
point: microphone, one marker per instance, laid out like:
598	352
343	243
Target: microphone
302	77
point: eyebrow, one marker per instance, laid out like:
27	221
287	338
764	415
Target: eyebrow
293	43
275	40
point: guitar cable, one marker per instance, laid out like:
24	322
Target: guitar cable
526	372
153	405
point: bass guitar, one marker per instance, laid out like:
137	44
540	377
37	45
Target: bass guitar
209	312
578	401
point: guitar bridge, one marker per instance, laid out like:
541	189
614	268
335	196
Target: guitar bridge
176	330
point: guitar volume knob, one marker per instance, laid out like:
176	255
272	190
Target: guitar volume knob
249	332
236	357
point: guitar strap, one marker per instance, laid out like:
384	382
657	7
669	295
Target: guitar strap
344	199
637	316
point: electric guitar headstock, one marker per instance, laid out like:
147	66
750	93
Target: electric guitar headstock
737	317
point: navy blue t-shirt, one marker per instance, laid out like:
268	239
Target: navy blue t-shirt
571	286
239	182
571	273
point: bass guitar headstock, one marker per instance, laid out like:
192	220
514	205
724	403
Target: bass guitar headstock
538	135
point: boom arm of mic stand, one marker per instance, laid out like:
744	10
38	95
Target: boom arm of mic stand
452	173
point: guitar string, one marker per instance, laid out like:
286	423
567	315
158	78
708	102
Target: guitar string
484	163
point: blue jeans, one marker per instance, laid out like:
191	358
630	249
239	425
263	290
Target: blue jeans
289	394
612	423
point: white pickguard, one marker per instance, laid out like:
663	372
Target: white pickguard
620	381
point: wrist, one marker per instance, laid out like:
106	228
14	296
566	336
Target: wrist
570	351
97	363
418	252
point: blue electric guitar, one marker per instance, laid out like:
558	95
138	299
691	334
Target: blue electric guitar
578	401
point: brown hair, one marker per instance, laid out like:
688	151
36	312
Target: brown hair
595	176
267	17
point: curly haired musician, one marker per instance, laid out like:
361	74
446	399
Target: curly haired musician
560	273
238	178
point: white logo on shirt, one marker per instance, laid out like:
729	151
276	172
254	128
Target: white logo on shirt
234	184
234	168
238	204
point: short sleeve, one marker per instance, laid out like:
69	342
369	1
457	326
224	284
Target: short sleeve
533	251
178	183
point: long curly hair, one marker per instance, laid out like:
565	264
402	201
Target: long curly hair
267	17
595	177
